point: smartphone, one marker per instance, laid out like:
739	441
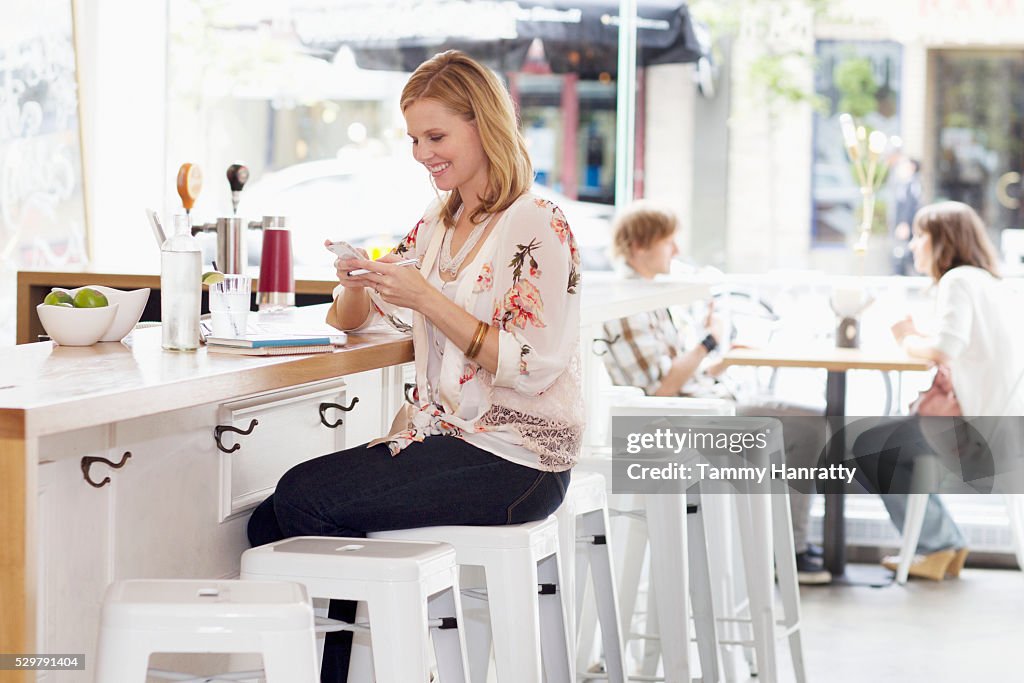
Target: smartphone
404	262
343	250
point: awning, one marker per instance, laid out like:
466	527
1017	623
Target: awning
578	36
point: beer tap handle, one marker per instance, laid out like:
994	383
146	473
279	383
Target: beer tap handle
190	183
238	175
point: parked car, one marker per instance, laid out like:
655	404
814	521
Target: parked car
374	205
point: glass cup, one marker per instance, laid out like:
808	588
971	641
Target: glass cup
229	305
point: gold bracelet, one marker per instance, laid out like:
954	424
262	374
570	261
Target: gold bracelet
478	340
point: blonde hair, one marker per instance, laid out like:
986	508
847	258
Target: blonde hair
958	238
639	225
474	92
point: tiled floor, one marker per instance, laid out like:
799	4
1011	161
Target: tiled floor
965	630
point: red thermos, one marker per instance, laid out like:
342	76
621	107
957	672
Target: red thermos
277	283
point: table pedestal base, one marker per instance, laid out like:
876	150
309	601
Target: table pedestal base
874	576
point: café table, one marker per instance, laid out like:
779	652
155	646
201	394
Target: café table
836	361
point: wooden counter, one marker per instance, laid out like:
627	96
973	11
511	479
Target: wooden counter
48	390
34	285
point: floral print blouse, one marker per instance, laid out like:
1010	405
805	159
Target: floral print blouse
525	281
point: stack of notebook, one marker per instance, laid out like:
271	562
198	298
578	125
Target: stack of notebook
275	345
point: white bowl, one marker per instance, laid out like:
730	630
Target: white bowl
132	303
76	326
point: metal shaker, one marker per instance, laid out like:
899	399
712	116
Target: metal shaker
231	254
277	282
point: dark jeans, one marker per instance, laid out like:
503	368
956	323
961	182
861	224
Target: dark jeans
886	456
442	480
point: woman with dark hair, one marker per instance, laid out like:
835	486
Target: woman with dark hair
979	361
494	311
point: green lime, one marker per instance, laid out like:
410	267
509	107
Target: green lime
212	277
58	297
89	298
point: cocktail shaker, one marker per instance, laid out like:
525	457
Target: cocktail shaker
231	255
277	283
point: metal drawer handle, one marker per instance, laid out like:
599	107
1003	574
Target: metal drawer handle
607	342
88	461
325	406
220	429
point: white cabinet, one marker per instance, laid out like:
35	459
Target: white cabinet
166	500
380	394
284	428
74	550
178	507
366	420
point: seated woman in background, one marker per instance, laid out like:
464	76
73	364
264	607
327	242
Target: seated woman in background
979	357
497	421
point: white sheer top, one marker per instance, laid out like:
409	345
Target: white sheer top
979	326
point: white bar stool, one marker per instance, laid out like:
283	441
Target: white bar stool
585	511
527	618
680	578
405	585
765	528
141	617
917	504
666	539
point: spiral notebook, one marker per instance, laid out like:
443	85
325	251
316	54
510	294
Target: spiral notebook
271	350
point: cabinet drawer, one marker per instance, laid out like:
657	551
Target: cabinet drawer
290	427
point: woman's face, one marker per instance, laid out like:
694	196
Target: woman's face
448	146
921	248
656	258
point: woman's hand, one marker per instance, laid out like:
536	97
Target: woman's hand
943	380
398	285
916	344
342	266
903	329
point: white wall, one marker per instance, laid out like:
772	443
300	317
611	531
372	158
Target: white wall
769	159
668	141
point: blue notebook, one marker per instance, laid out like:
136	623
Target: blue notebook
256	341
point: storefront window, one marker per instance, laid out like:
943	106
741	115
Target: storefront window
588	173
979	133
310	104
306	93
863	79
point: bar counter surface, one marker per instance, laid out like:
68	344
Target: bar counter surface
46	389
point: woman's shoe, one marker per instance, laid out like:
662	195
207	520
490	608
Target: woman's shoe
933	566
954	568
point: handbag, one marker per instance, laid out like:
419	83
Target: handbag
939	400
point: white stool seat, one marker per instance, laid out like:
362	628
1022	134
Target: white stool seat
404	584
317	557
141	617
528	625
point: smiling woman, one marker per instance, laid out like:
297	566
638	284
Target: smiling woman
496	420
